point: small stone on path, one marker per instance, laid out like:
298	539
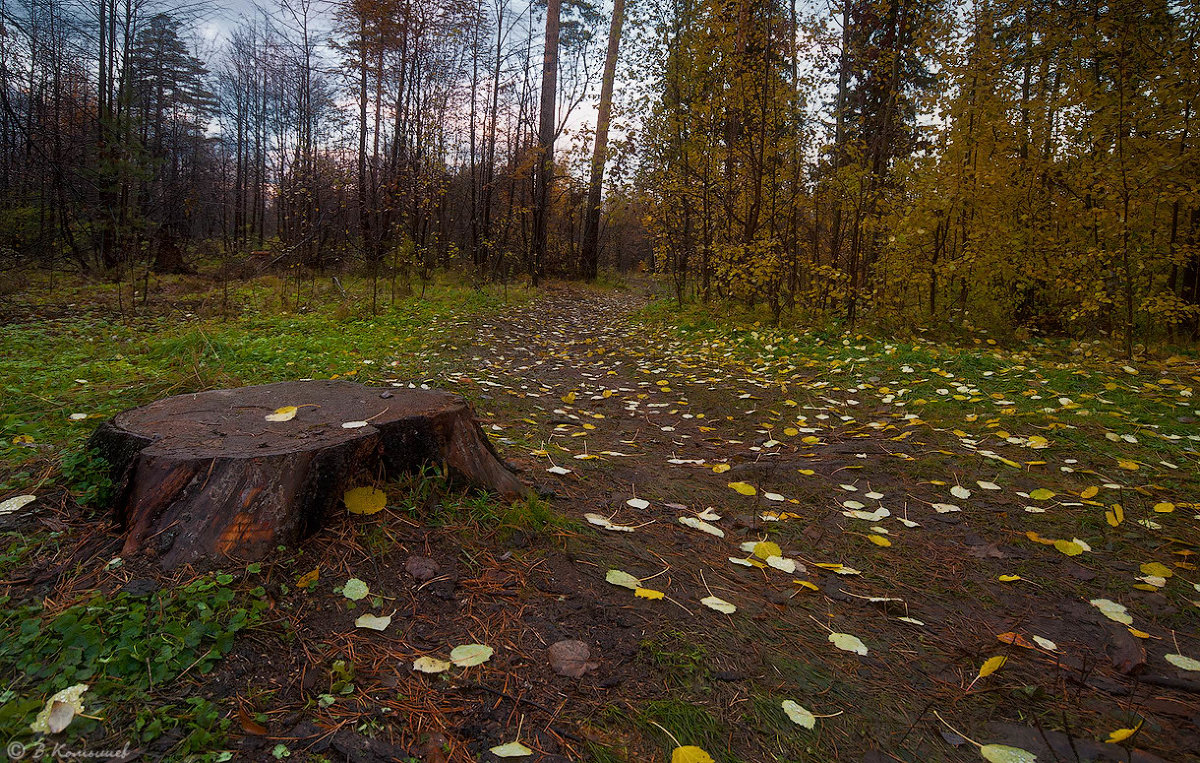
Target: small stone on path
570	658
422	568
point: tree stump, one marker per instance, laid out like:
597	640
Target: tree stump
208	475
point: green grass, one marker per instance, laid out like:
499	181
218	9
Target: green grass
19	549
689	724
131	651
430	498
77	353
1104	400
90	360
600	754
682	660
258	337
765	716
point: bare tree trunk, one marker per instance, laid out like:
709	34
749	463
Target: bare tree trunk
489	162
839	139
545	166
591	224
364	215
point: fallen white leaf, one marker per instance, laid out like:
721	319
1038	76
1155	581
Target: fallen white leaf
712	602
431	665
1000	753
1046	644
702	526
60	710
798	714
511	750
1184	663
782	564
1113	611
16	503
623	579
373	622
470	655
848	643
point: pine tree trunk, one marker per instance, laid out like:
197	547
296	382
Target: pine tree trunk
591	225
544	169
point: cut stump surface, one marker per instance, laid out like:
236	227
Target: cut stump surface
208	475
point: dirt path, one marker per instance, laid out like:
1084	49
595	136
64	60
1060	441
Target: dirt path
636	417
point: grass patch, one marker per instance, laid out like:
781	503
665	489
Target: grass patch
132	651
682	660
20	551
429	497
689	724
89	360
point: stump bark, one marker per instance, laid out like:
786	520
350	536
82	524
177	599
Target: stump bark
207	475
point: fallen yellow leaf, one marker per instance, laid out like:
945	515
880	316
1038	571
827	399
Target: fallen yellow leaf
286	413
766	549
1157	569
364	500
1120	735
1068	547
992	665
690	754
308	578
1114	516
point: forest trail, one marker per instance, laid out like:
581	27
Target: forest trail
908	537
898	537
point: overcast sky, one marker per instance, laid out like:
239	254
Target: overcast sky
218	18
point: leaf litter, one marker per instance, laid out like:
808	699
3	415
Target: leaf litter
762	423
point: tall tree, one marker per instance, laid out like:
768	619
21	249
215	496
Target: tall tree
591	225
547	131
172	105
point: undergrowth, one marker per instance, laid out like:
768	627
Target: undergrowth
131	650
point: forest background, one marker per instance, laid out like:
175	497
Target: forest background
1012	166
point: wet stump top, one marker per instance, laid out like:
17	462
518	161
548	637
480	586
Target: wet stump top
207	474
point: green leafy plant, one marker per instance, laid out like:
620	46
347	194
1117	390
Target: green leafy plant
86	474
341	677
127	648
